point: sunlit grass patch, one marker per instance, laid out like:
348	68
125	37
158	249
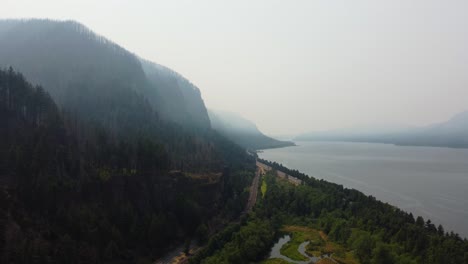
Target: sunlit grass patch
319	246
299	234
290	250
314	253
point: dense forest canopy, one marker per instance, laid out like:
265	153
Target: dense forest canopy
77	190
360	228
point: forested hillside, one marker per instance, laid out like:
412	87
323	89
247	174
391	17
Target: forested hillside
82	70
178	99
75	191
243	132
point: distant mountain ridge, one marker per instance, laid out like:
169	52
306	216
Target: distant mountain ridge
80	61
458	123
451	133
242	131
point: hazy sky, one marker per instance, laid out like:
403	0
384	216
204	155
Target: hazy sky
295	66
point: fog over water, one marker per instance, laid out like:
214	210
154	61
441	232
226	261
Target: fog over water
427	181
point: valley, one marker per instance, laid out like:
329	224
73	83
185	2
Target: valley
109	157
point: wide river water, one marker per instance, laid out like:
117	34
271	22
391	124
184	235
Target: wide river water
427	181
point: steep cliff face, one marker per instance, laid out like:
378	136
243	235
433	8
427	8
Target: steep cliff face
80	69
176	98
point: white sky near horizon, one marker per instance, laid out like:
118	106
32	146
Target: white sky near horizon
295	66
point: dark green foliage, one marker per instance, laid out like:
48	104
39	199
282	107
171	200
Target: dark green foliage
106	176
249	244
382	255
375	232
216	243
75	190
378	232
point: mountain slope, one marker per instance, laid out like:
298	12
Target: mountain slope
74	191
75	64
177	98
452	133
105	175
242	131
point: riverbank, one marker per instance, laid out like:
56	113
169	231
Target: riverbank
356	228
426	181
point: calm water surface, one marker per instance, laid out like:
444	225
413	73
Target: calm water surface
427	181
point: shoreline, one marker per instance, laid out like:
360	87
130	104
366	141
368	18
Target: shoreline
346	171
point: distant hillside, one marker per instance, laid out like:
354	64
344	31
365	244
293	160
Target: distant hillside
74	64
242	131
452	133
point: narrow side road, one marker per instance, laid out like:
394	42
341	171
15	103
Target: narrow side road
253	192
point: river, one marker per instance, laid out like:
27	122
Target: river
427	181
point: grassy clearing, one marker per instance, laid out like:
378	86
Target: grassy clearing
299	234
290	250
263	189
319	245
338	252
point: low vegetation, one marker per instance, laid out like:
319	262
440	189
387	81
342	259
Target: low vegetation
299	235
319	246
